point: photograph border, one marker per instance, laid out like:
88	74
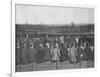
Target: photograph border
13	21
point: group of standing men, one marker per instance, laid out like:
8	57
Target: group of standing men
30	50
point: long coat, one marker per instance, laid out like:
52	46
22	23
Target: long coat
79	54
22	53
25	55
47	54
55	54
32	55
40	55
18	55
88	53
64	54
72	52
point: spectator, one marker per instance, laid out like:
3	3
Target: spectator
64	53
47	53
56	55
40	54
88	52
79	54
72	51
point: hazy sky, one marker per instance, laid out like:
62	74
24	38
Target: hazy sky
53	15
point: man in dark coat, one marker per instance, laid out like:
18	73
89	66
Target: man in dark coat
25	53
79	55
47	54
18	53
88	52
32	53
64	53
40	54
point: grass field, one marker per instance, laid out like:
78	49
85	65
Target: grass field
52	66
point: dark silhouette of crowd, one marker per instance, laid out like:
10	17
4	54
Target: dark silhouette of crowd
73	49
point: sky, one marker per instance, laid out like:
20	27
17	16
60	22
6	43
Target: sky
32	14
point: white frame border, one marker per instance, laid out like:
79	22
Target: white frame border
13	3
